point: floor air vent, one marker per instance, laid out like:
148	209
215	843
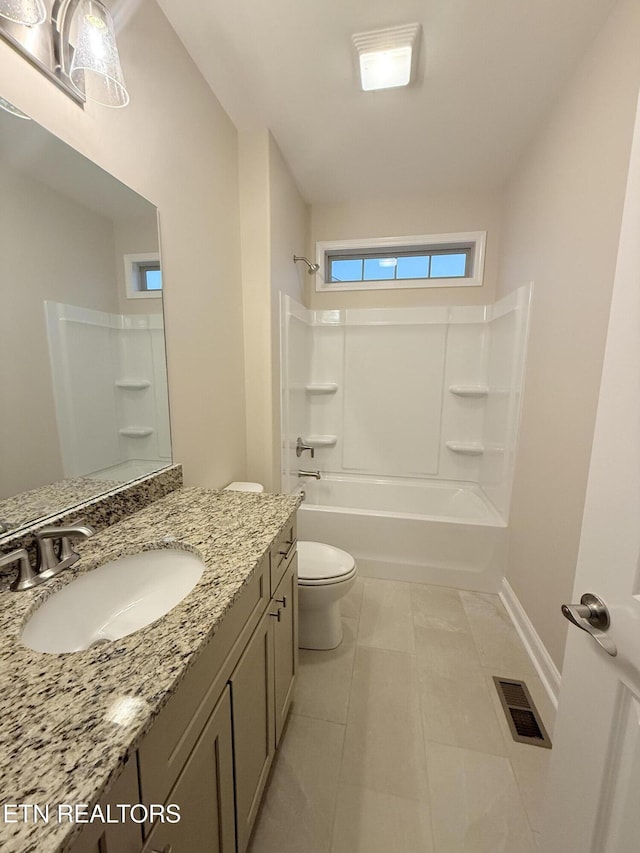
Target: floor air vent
522	715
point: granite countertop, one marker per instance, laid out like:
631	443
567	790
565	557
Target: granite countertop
70	721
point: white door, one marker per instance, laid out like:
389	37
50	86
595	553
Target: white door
593	800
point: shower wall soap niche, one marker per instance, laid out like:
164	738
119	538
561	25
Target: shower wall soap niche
466	448
321	440
133	384
469	390
136	432
321	388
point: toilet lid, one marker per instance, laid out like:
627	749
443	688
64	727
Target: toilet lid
318	562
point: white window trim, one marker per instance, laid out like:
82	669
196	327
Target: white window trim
131	275
475	279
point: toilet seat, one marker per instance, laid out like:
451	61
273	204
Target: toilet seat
321	565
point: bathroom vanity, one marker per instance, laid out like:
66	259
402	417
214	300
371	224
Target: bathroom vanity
187	711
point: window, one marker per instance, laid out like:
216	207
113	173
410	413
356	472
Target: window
143	275
150	277
441	260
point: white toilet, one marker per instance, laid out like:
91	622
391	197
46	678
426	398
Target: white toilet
325	575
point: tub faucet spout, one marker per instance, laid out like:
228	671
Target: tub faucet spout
314	474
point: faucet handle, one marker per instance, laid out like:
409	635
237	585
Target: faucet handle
72	531
301	447
27	577
49	563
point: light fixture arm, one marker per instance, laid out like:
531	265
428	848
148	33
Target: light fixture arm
61	17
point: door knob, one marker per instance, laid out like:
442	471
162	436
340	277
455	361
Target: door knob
592	616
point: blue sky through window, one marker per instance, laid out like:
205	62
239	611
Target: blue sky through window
400	267
153	279
448	266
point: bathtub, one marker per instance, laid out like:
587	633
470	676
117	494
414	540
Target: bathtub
441	533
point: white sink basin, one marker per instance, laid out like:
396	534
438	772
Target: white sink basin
112	601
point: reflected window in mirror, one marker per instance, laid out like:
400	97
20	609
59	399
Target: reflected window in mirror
143	275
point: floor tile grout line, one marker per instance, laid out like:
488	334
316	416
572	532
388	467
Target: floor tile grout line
424	737
344	739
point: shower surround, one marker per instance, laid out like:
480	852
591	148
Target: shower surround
109	377
414	415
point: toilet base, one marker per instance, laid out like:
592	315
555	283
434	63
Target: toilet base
320	628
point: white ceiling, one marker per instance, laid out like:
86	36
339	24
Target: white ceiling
489	69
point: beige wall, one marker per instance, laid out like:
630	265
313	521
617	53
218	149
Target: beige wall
561	227
52	249
256	255
274	221
398	217
289	235
176	146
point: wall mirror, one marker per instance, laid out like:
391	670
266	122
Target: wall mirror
82	352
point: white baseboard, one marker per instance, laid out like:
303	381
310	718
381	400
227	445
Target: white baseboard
546	668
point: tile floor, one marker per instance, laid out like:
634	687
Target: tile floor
397	742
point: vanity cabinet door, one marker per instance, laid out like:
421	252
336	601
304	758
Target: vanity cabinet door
253	725
123	837
204	792
285	644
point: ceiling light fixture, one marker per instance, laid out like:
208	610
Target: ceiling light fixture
387	58
76	48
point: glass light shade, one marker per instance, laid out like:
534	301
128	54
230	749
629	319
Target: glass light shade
95	67
7	106
29	12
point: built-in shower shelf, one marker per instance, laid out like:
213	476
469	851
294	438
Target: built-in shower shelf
466	448
133	384
469	390
321	440
136	432
321	388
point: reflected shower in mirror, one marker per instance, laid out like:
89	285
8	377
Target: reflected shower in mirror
82	355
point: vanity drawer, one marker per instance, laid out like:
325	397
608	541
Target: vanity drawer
168	745
282	552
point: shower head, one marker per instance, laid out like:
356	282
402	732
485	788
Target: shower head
313	268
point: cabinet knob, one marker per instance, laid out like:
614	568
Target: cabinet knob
277	615
282	601
166	849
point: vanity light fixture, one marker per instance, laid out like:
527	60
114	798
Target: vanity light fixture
387	58
26	12
76	48
95	67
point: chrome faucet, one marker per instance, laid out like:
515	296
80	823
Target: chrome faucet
50	561
301	447
27	577
314	474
